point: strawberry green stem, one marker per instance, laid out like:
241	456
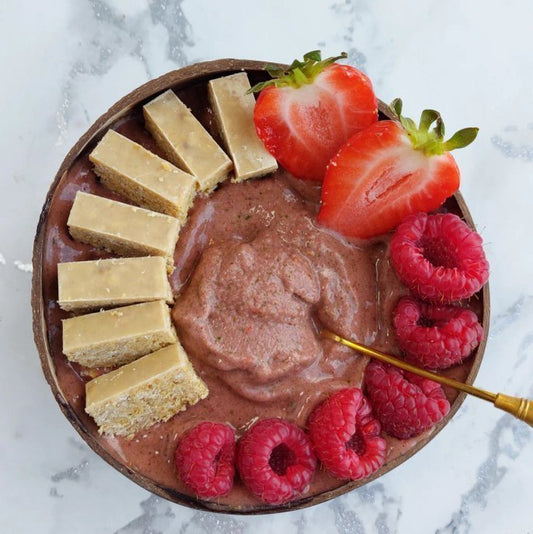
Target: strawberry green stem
431	142
299	78
300	73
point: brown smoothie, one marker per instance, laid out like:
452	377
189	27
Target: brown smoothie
256	278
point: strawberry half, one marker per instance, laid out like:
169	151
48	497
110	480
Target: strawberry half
388	171
305	114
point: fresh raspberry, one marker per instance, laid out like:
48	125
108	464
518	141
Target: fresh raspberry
345	435
439	257
435	336
275	460
405	404
205	459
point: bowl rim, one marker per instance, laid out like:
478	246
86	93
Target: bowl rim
175	79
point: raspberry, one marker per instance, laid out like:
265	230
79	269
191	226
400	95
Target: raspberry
345	435
435	336
405	404
275	460
205	459
438	257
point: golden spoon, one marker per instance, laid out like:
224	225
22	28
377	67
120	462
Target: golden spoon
520	408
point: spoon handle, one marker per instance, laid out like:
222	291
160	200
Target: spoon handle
520	408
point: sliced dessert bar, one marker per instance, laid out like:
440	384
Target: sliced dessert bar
185	141
146	391
234	110
142	177
113	282
123	229
118	336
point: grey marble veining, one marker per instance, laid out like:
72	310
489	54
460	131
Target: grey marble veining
471	59
506	441
512	150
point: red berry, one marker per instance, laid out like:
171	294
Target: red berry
305	114
345	435
404	403
439	257
275	460
205	459
388	171
435	336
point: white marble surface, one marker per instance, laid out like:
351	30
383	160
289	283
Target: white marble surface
64	63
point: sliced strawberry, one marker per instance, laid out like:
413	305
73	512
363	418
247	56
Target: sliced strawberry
306	113
388	171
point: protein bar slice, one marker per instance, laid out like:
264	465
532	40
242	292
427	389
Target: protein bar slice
185	141
113	282
121	228
146	391
142	177
118	336
234	109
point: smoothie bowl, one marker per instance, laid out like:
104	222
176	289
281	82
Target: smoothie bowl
144	335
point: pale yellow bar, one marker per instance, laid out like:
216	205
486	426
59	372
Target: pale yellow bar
149	390
185	141
234	109
142	177
118	336
123	229
113	282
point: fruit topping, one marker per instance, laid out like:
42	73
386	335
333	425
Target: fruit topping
388	171
345	435
275	460
304	114
434	336
404	403
205	459
438	257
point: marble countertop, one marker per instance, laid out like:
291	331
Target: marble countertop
67	61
